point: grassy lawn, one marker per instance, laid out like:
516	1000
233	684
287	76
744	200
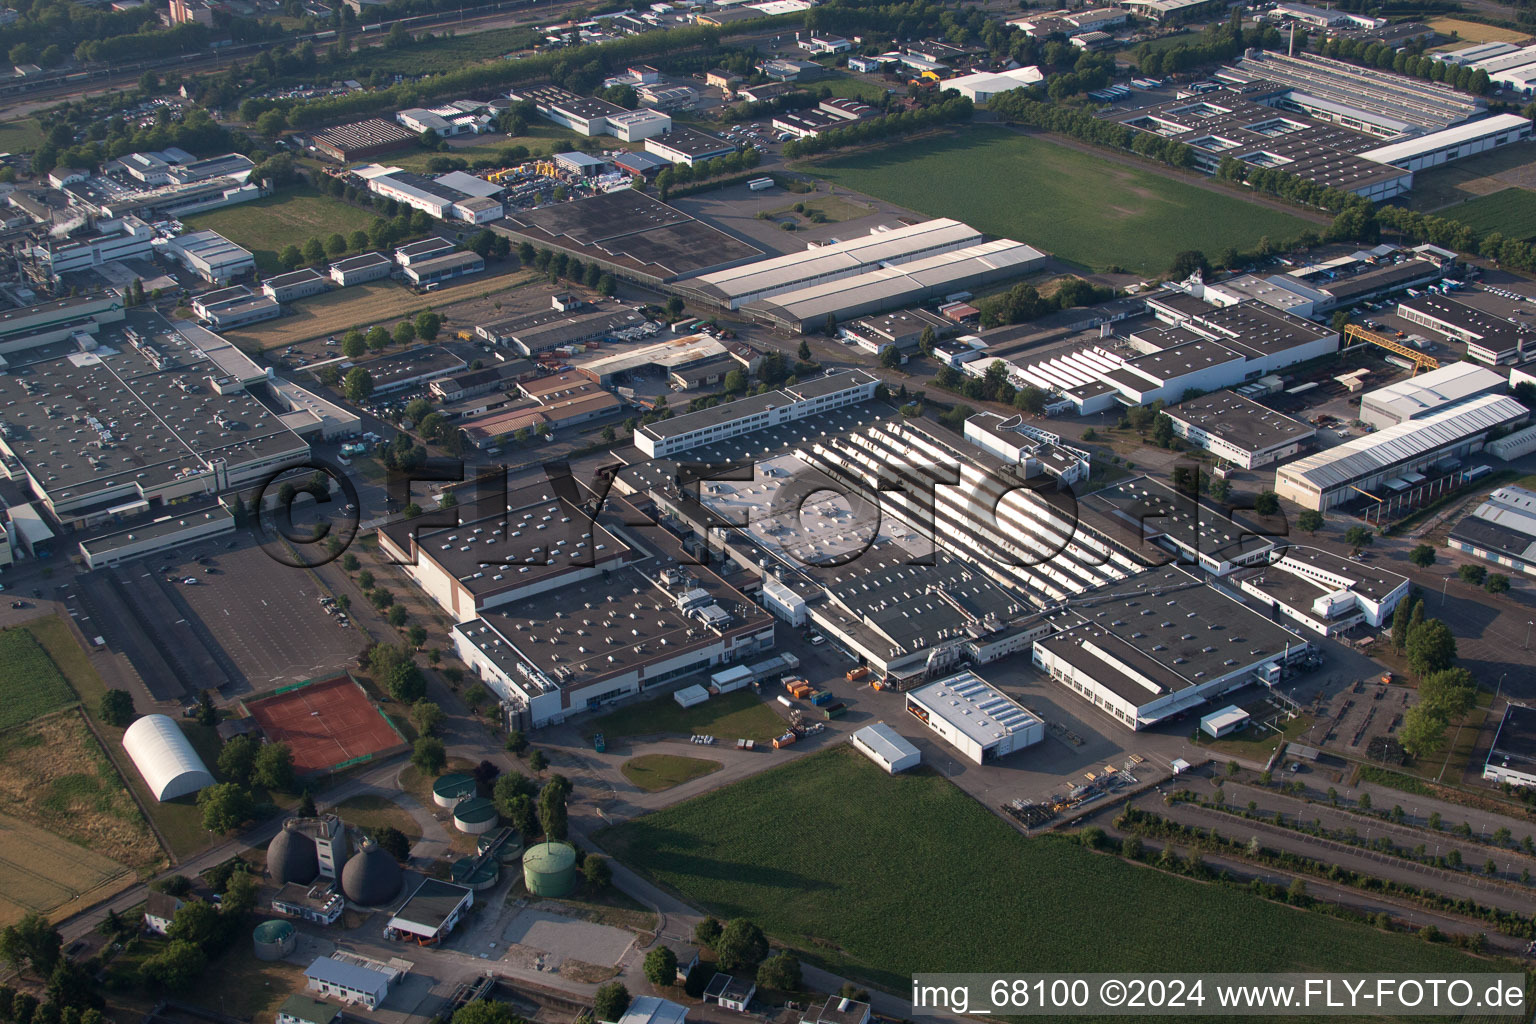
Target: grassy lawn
853	88
290	217
1255	741
1076	205
909	870
369	812
655	772
31	685
741	714
338	311
1512	212
832	208
20	136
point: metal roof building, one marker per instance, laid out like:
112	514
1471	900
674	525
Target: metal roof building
164	756
975	717
1419	396
1350	470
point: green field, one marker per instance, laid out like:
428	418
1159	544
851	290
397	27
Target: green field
853	88
1511	212
31	685
291	217
728	717
1078	206
907	873
20	136
655	772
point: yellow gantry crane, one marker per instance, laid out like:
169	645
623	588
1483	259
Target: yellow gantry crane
1419	359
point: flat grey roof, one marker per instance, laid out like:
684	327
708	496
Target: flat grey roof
1240	421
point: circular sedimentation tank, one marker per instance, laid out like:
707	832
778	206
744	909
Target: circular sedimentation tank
476	815
549	869
468	873
451	788
510	851
273	940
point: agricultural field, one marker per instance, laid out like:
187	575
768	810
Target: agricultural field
656	772
1080	207
68	827
1469	32
362	305
740	714
1511	212
290	217
920	874
31	685
1437	188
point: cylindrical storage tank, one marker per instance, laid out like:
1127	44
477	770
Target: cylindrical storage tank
468	872
476	815
451	788
510	851
549	869
274	940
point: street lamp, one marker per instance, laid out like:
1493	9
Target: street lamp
1528	624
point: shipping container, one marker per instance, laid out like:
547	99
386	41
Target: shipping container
801	691
821	697
834	710
855	674
784	741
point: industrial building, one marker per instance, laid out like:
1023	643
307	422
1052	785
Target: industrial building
364	140
668	437
979	87
1238	430
1464	140
556	652
444	268
1162	644
1492	340
1501	530
426	249
430	914
1512	757
532	333
455	196
1224	722
863	254
299	284
1325	592
57	320
234	306
886	747
976	718
360	269
583	115
1421	395
1030	448
903	329
666	357
1364	467
165	758
1152	518
413	366
211	256
351	979
688	146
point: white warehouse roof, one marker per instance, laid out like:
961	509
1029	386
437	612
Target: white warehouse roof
1376	452
164	756
1429	391
1473	131
974	707
887	745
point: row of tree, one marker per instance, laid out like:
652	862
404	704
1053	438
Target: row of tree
956	110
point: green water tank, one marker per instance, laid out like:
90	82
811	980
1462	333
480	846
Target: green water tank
549	869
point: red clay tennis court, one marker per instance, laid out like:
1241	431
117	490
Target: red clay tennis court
327	724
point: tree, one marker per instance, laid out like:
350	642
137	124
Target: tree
314	251
426	716
735	381
1449	693
1358	537
1310	520
1497	583
335	244
175	968
707	932
803	352
509	787
207	714
239	895
31	944
538	761
1031	399
780	973
357	385
661	966
197	923
428	324
1400	619
72	988
596	871
377	338
307	805
396	615
429	756
274	767
1188	262
485	1011
237	758
610	1002
1431	647
1473	574
117	708
890	357
225	806
742	945
405	333
393	842
517	742
1267	503
552	812
353	344
290	257
1422	556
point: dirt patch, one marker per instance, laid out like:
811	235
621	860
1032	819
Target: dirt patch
54	775
590	974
